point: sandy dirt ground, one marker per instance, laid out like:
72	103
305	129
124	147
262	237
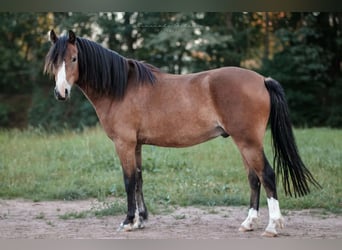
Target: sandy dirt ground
20	219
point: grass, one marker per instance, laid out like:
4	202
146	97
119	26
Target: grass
68	166
74	215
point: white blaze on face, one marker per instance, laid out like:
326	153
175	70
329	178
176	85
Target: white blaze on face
61	81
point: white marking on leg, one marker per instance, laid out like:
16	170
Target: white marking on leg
276	220
251	219
137	221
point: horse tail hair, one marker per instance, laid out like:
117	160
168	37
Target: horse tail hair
286	160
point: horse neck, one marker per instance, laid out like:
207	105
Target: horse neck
101	104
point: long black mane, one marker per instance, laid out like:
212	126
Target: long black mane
101	70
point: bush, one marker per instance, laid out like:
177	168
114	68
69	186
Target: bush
304	68
46	112
4	115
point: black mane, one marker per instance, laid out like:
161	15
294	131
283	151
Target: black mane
101	70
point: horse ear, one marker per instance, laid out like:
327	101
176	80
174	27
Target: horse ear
72	37
53	36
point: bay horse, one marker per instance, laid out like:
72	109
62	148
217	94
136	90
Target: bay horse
138	104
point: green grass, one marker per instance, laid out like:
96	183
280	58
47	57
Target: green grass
74	215
41	166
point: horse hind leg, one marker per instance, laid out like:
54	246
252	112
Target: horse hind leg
250	157
252	218
260	172
276	220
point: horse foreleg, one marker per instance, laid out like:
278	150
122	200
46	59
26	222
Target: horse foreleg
130	187
136	210
252	217
139	197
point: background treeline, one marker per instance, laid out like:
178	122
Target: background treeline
303	51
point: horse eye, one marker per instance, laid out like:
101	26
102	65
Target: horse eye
74	59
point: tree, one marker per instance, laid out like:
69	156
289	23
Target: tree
22	47
308	66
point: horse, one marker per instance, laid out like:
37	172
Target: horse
138	104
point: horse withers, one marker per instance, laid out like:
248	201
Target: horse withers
138	104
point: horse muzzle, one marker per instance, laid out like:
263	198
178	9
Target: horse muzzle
59	97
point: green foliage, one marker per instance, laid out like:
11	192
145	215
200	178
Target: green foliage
4	115
49	114
66	166
304	73
22	48
335	116
305	67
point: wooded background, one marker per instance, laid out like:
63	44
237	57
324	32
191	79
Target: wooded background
303	51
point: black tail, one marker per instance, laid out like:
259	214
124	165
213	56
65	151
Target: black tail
286	157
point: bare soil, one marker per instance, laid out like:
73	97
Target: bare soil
22	219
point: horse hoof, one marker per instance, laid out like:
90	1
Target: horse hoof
281	222
138	225
244	229
125	227
269	234
130	227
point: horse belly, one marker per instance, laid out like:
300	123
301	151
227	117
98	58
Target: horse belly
181	133
178	140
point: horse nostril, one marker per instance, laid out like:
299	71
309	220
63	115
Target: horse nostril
58	96
66	93
56	93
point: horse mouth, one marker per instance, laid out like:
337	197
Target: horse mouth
59	97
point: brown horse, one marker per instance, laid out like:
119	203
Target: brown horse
138	104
